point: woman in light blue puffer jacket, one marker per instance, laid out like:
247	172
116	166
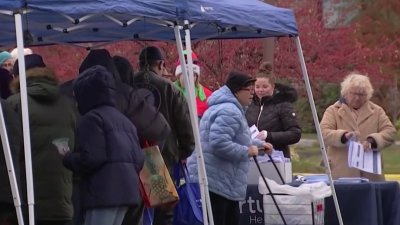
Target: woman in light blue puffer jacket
227	146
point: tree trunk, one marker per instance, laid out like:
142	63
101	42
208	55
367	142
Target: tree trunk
269	43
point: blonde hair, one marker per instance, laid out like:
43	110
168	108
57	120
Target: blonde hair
265	71
358	81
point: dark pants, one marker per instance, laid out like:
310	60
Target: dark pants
225	211
8	215
78	211
51	222
134	216
163	216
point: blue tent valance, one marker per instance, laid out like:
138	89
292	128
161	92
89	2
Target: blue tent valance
65	21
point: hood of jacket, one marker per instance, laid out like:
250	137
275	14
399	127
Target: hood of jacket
41	84
93	88
224	95
282	93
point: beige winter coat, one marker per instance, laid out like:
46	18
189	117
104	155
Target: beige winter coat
372	122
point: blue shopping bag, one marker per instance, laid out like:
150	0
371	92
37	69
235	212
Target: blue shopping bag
188	211
148	216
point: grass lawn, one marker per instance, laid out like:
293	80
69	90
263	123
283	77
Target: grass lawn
307	159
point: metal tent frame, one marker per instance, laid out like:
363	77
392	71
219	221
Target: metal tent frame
189	19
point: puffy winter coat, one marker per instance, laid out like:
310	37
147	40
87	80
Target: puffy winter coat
109	157
225	138
276	115
51	116
150	124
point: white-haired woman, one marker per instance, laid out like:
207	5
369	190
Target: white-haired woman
354	116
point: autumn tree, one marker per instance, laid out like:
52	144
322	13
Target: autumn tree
378	30
368	44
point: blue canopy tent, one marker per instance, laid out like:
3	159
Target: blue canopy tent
65	21
44	22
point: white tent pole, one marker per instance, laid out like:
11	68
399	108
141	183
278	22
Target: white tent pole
317	127
25	117
10	168
200	159
195	126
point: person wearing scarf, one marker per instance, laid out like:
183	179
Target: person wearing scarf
202	93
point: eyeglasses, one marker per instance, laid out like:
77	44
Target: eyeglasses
6	65
248	89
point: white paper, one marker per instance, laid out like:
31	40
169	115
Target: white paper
62	145
368	161
254	131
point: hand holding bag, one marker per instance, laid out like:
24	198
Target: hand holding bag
189	210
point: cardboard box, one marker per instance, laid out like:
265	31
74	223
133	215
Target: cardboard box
270	172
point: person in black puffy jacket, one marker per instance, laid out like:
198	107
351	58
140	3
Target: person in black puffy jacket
109	156
272	111
150	124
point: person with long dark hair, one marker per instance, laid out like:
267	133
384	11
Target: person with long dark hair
272	111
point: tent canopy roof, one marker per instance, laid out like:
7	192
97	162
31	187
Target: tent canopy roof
65	21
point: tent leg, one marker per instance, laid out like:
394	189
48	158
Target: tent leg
189	85
200	160
25	117
10	168
317	127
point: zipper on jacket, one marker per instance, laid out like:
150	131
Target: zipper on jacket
259	115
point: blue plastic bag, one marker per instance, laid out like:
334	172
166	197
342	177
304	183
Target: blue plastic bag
188	211
148	216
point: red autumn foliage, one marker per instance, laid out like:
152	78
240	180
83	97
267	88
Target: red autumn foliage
330	54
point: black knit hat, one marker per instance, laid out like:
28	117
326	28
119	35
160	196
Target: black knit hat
31	61
238	80
99	57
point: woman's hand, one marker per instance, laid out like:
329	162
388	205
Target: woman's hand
352	135
367	145
252	150
262	135
268	148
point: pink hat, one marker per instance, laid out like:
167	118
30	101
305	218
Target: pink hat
196	69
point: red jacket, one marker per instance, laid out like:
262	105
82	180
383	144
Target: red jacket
201	98
202	106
